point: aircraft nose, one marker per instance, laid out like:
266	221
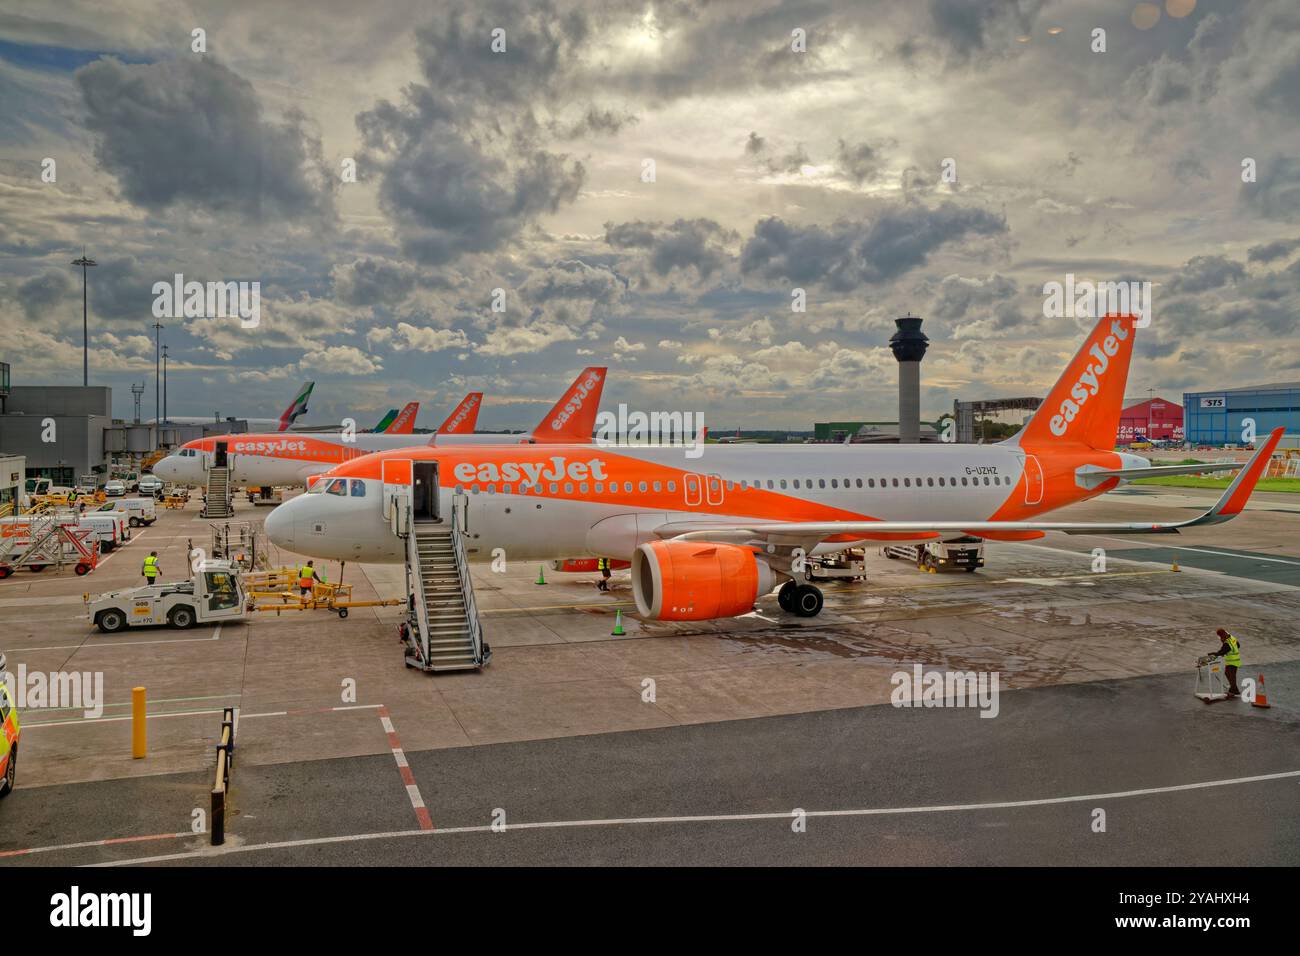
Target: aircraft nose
165	469
279	525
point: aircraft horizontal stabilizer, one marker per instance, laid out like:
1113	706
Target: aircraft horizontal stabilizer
1163	471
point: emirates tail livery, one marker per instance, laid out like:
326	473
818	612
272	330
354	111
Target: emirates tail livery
270	460
708	537
297	407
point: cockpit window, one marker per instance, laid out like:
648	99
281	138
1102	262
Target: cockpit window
339	486
317	488
358	488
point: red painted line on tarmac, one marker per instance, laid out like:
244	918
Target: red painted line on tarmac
404	769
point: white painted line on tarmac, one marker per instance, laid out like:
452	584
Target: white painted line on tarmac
707	818
114	720
1229	554
97	644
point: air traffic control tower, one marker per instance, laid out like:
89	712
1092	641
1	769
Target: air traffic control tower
909	344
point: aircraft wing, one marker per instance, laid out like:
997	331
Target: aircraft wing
808	534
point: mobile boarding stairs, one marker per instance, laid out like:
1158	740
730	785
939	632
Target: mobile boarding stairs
442	631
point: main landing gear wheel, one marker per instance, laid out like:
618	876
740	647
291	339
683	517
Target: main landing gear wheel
785	596
807	601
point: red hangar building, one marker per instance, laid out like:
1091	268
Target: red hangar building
1156	419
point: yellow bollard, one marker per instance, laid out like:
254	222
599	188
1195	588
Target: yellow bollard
137	722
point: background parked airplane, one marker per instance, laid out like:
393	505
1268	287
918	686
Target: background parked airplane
281	460
295	410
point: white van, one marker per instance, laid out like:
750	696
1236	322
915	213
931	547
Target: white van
109	527
138	511
150	485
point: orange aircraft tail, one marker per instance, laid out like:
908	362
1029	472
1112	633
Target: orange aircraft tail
404	423
464	417
573	418
1084	405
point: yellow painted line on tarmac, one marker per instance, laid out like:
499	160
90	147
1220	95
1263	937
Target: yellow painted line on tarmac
554	607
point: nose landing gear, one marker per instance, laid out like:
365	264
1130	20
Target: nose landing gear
802	600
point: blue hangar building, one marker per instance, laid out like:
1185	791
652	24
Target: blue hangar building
1220	417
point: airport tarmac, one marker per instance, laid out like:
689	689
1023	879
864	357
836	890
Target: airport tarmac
704	725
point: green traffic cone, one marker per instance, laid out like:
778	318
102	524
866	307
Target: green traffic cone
618	624
541	578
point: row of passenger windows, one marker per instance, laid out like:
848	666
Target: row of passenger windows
627	487
908	482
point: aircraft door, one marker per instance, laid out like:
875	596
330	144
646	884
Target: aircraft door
1033	480
396	474
424	491
219	458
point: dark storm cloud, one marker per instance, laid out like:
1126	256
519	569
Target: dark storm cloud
1202	273
39	294
860	162
598	122
1276	193
686	243
193	131
446	191
371	281
574	279
851	253
957	296
458	161
966	27
1272	251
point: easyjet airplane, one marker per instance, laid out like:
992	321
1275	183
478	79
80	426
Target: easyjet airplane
707	542
281	460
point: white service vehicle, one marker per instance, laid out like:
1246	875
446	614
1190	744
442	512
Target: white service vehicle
138	511
150	485
963	553
110	527
114	488
214	594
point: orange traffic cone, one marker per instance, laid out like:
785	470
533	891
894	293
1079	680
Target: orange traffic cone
1261	699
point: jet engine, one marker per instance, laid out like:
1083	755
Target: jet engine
697	580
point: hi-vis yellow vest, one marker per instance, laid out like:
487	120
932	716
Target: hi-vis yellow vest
1233	657
304	576
602	564
150	566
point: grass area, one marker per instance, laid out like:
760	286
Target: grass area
1191	481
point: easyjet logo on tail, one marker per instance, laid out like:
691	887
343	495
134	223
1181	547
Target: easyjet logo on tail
452	425
405	422
1089	382
576	398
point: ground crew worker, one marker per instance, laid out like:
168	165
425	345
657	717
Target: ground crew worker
151	568
602	564
1230	651
72	497
306	575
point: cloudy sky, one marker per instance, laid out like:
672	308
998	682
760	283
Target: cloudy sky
796	145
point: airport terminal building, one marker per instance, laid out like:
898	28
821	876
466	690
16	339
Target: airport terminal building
1219	417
